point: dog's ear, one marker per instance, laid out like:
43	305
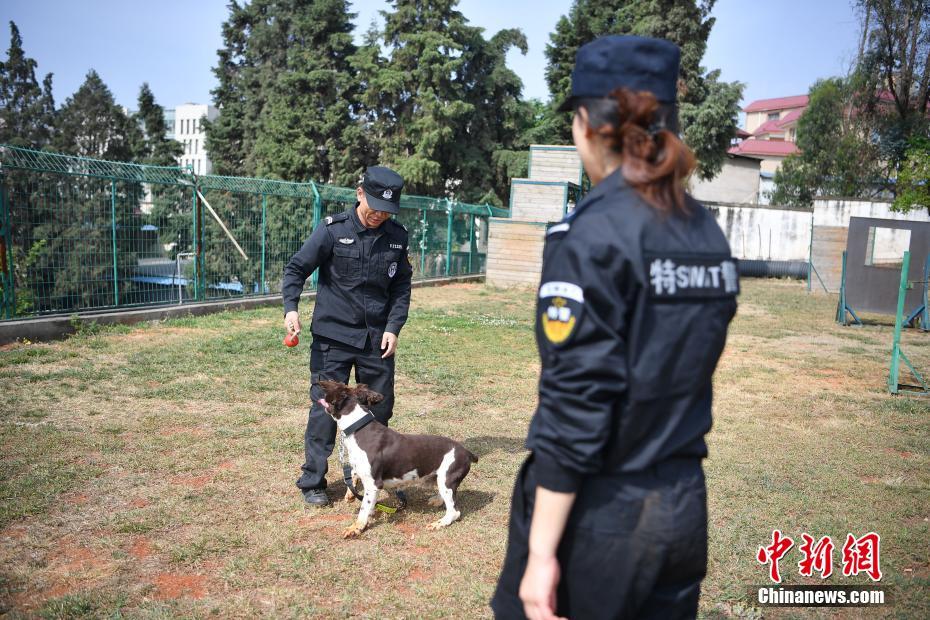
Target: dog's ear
367	396
336	394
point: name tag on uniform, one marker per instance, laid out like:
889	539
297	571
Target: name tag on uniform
691	276
347	240
396	246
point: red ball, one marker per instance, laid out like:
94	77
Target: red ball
291	340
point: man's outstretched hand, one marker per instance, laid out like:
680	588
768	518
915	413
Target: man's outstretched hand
292	323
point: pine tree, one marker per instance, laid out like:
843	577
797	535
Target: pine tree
489	141
78	258
90	124
311	103
417	102
707	107
27	110
154	148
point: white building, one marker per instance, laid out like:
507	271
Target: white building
188	130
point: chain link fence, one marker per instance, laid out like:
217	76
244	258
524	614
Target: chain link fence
79	234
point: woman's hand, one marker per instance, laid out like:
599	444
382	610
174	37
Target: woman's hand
537	589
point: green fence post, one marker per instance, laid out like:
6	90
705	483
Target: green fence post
198	245
264	208
449	218
317	218
841	303
898	319
472	243
423	243
6	253
113	235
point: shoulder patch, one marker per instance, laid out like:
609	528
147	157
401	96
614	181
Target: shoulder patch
561	305
332	219
694	276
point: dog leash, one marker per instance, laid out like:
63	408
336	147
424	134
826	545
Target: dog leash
347	477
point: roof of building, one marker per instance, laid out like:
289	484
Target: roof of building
779	103
790	117
769	127
764	148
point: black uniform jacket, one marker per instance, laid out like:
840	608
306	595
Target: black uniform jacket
364	285
632	317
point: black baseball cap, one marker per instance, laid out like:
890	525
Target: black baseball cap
637	63
383	187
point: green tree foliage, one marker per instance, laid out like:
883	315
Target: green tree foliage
78	258
892	78
913	185
307	127
836	158
417	101
287	95
154	148
27	110
859	133
90	124
708	107
444	108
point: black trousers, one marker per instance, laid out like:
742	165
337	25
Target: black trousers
333	361
635	545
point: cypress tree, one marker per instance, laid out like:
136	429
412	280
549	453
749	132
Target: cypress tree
708	107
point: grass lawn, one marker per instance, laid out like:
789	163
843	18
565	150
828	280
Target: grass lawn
149	471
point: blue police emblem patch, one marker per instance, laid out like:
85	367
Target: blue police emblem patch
392	270
561	305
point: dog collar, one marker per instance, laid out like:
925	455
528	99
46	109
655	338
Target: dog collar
367	419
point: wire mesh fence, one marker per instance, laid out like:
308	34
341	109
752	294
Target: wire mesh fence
79	234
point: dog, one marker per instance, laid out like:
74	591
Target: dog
385	459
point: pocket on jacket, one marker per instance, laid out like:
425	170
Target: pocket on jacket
347	262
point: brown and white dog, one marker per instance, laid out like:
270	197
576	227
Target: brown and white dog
385	459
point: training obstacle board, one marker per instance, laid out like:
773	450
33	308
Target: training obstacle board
872	263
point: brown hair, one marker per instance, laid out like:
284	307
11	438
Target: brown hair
656	162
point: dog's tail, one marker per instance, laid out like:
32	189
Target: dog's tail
471	455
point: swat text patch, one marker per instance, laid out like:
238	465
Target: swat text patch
691	276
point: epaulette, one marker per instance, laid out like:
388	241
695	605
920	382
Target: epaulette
332	219
398	224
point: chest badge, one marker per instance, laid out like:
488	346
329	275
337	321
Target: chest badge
347	240
392	270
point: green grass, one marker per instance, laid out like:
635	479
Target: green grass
148	472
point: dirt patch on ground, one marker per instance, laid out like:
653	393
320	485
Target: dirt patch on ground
140	548
192	482
169	586
138	503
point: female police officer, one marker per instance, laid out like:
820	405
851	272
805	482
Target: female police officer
609	518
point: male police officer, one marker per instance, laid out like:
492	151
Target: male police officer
361	305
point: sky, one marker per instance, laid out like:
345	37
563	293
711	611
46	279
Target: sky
776	48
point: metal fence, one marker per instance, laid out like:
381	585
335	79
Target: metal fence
79	234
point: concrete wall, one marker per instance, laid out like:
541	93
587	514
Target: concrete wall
555	163
738	182
768	233
771	164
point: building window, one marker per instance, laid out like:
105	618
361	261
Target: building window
198	166
196	126
195	145
773	116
